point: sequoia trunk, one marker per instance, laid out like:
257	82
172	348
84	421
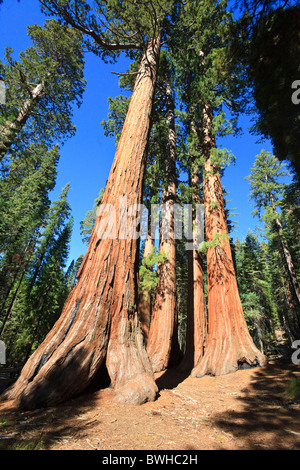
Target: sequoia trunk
163	346
229	344
99	324
196	306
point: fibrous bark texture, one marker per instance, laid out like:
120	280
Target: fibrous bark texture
196	305
229	344
99	324
163	347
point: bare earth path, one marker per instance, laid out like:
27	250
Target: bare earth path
247	410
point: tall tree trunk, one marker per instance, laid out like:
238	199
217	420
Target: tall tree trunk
229	344
144	306
196	307
163	346
289	316
10	129
11	304
24	262
99	323
287	255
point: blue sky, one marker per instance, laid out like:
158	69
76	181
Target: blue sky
86	158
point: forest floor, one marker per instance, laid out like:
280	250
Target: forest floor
246	410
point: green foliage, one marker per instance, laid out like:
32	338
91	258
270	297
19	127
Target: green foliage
88	223
34	242
266	187
273	65
55	64
293	388
198	63
255	288
148	277
25	203
217	241
221	158
112	26
117	112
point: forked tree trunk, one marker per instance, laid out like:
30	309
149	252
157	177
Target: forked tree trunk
163	347
99	324
229	344
196	304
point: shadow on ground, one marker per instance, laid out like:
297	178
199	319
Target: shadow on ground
260	416
39	429
267	411
170	378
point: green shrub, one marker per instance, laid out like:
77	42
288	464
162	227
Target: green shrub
293	388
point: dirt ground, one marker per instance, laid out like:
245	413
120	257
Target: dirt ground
247	410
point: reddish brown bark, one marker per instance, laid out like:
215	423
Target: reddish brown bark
99	324
229	344
196	306
163	346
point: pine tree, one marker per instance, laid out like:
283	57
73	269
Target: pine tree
254	280
40	284
41	88
267	192
88	223
25	193
268	46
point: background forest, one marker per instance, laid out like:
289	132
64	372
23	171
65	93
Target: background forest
240	58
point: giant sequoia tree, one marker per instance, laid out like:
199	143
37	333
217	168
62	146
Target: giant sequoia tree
99	325
209	82
163	347
99	329
160	333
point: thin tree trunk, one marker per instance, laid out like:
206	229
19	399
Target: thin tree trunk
196	307
9	130
99	324
25	263
163	346
286	254
229	344
9	310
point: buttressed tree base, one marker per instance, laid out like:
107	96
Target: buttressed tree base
99	324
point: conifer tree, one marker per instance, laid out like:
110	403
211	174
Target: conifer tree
99	325
254	280
41	88
25	196
88	223
163	346
267	193
211	81
268	46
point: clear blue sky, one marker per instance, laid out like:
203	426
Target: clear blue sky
87	157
